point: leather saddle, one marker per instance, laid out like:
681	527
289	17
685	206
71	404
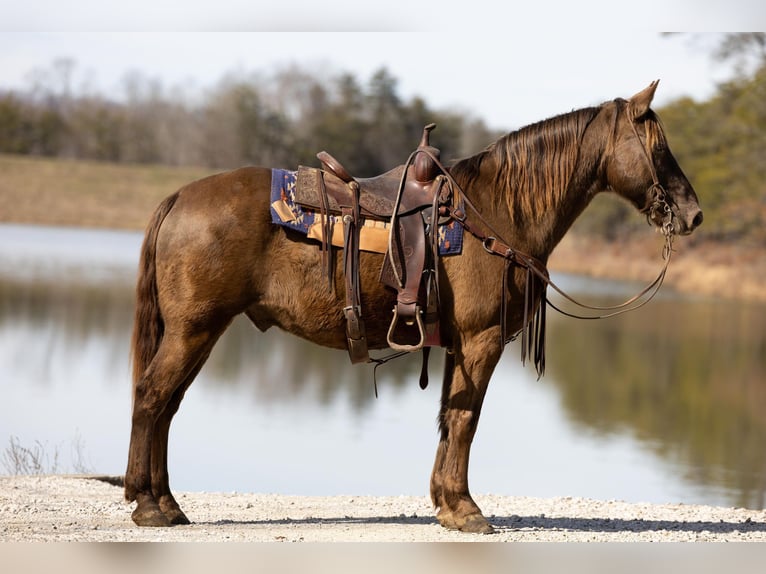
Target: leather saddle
377	195
408	197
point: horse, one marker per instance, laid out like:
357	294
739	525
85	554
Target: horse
210	253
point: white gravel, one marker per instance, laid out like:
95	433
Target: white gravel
65	508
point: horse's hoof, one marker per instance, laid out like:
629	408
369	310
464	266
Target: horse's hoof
477	524
473	523
149	514
176	516
173	512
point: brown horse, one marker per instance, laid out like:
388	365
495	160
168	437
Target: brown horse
211	252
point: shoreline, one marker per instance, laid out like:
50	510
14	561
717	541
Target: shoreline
88	509
698	268
101	195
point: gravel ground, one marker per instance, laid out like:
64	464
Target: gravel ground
65	508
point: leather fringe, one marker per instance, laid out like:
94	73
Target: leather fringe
328	255
533	328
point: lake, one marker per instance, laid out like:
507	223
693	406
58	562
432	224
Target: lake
665	404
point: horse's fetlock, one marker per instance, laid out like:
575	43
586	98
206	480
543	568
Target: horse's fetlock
130	494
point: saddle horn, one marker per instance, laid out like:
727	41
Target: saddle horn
425	169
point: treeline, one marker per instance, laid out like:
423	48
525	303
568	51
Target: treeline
721	146
279	120
283	119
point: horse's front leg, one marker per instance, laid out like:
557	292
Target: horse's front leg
467	375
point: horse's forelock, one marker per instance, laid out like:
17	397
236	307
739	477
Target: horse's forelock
652	125
655	133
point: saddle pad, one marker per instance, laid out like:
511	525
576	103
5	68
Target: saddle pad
373	235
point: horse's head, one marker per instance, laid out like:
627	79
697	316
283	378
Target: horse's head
641	168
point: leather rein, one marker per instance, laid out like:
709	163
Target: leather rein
657	210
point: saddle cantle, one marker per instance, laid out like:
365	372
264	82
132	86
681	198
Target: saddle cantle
408	199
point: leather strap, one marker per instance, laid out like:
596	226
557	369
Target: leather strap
355	331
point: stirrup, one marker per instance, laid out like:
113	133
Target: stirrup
406	348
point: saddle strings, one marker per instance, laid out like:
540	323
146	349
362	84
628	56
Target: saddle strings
328	258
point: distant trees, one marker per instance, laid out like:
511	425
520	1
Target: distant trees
277	120
721	143
284	118
721	146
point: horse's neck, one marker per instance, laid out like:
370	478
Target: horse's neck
538	237
583	187
588	177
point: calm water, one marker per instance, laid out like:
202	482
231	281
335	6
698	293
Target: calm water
662	405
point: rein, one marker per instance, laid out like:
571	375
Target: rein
657	210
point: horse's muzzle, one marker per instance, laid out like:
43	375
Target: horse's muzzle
689	221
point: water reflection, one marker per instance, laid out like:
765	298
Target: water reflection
47	326
277	368
665	404
55	322
687	378
65	374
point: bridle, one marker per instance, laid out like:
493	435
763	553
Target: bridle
657	211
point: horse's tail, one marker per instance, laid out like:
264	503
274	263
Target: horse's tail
148	326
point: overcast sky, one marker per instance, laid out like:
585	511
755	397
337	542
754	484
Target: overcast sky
506	63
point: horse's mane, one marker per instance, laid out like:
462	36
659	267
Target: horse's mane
534	164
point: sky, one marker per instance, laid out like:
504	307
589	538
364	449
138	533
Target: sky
504	62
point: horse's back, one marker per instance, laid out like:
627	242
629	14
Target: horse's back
239	196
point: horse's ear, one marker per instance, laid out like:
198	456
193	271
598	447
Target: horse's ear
639	104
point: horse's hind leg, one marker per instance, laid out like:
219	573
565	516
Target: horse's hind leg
156	398
159	458
462	397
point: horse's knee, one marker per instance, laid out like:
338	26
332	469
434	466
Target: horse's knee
460	419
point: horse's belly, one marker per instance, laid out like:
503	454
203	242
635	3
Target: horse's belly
316	314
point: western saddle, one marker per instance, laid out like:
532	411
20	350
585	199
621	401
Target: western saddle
410	198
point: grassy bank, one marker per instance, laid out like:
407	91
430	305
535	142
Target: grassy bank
94	194
698	267
84	193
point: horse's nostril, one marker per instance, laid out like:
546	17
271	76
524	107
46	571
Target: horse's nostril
697	221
